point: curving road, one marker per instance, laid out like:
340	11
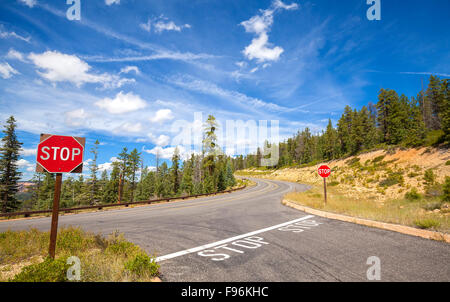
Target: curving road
250	236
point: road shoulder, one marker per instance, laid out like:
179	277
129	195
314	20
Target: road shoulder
371	223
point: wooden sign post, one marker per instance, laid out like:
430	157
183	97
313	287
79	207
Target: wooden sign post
59	154
324	172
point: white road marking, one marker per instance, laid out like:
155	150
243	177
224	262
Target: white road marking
210	245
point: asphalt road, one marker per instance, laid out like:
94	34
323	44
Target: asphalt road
250	236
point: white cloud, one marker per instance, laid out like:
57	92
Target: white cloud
122	103
128	69
25	164
107	166
260	48
6	71
162	140
129	128
76	117
29	3
110	2
28	152
59	67
15	55
162	116
260	51
165	153
146	26
162	24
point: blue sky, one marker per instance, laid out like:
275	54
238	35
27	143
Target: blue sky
129	70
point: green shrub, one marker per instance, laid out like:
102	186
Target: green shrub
119	246
142	264
413	174
353	162
412	195
48	271
446	190
427	223
333	183
392	179
434	137
429	177
447	163
378	159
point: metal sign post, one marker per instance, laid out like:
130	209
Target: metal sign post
55	213
324	172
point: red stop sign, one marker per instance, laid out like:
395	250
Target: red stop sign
324	171
60	154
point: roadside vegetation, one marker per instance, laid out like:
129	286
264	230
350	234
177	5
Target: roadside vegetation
23	257
380	186
419	212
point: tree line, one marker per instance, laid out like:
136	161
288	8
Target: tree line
393	121
128	181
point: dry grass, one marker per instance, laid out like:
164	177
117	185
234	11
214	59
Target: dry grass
400	211
102	259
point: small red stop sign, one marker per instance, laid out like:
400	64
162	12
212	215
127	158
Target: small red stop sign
60	154
324	171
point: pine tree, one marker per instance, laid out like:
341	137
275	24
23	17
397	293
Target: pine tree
187	185
104	179
111	192
435	103
345	125
46	192
35	189
416	126
175	171
222	179
122	163
9	170
210	148
446	110
94	196
134	160
330	149
230	180
67	193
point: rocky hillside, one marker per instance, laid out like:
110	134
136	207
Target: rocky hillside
379	175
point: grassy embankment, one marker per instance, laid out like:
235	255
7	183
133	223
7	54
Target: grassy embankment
402	187
22	257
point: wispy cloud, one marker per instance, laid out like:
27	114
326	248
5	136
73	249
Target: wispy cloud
6	35
6	71
29	3
447	75
110	2
230	95
159	51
